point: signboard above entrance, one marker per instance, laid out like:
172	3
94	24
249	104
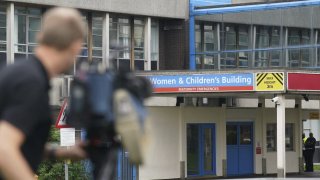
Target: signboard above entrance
303	82
270	81
202	83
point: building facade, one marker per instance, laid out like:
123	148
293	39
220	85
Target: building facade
152	35
239	108
215	66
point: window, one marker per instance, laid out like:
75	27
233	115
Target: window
154	45
121	29
289	136
27	25
272	137
318	48
97	21
120	34
298	57
138	44
267	37
205	43
83	56
208	60
198	45
232	135
3	36
236	37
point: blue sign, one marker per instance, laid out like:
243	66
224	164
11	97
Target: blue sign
202	83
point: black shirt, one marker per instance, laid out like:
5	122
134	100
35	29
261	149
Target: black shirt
310	143
24	103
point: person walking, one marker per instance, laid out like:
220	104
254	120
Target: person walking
304	139
310	146
25	117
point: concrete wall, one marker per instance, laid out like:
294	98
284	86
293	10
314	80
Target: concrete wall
168	147
158	8
163	154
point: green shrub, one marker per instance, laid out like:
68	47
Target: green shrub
54	170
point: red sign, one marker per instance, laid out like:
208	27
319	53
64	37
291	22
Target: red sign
258	150
62	117
303	82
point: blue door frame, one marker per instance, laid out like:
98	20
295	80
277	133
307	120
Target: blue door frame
240	156
201	149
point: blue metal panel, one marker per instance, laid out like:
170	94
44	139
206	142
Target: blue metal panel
245	160
232	160
256	7
210	2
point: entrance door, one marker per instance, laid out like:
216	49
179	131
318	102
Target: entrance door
239	149
200	149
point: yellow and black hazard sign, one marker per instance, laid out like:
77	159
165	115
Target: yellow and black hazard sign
270	81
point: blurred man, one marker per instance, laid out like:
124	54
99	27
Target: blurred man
25	117
310	146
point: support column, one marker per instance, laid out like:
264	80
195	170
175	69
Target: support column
147	44
298	104
105	41
281	149
192	49
10	33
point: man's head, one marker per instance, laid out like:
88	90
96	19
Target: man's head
63	31
303	135
310	134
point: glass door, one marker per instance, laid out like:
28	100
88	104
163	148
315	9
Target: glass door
200	149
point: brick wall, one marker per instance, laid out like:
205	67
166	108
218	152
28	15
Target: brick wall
172	45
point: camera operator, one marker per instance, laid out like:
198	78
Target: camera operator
25	117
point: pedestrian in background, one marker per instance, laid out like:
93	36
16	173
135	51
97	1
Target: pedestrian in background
304	139
310	146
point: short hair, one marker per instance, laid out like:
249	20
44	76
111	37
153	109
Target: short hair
61	27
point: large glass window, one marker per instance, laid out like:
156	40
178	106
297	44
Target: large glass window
138	44
318	48
251	39
3	36
198	45
83	56
97	21
272	137
236	37
120	35
121	31
205	43
154	45
297	56
267	37
27	25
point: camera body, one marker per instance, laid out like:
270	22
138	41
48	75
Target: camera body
92	108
